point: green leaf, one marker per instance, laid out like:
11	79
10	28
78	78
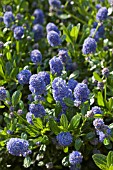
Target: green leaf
110	159
74	123
100	160
69	102
97	77
58	109
38	123
27	162
2	106
74	75
111	167
1	72
66	149
66	32
24	136
75	31
78	144
54	127
106	141
16	97
100	99
64	121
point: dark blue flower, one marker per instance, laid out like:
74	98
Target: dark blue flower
75	158
102	14
53	38
38	32
55	3
39	16
64	138
17	147
36	56
63	56
94	34
72	83
89	46
24	76
2	93
37	109
56	66
18	32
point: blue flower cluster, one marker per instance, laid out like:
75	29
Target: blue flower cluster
102	130
72	83
37	109
64	138
53	38
39	16
18	32
2	93
52	27
96	110
17	147
45	76
37	85
8	18
37	31
24	76
36	56
75	158
61	90
81	93
102	14
55	3
56	66
89	46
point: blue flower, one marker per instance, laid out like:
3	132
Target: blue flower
55	3
98	124
29	117
45	76
64	138
89	46
1	44
81	92
18	32
75	158
24	76
72	83
102	14
98	6
38	32
37	109
56	66
94	34
39	16
37	85
52	27
61	91
36	56
96	110
17	147
53	38
8	18
105	72
2	93
63	56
